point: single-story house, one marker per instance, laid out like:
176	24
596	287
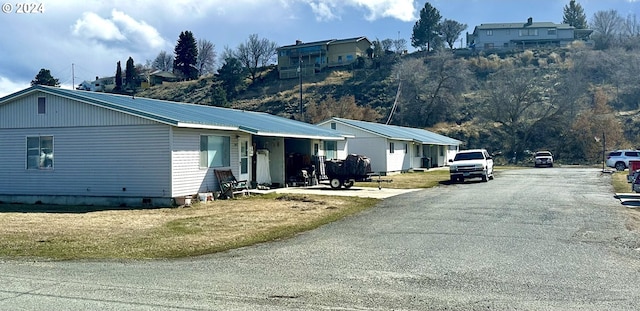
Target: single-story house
159	77
78	147
105	84
394	148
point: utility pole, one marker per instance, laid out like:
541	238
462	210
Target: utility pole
300	77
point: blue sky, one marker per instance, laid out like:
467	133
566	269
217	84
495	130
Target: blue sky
93	35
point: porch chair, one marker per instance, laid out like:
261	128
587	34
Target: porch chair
229	185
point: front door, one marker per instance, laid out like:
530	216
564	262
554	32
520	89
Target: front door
243	144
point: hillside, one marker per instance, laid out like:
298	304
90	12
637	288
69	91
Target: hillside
567	97
282	97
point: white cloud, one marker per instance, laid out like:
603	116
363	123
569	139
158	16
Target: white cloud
138	30
119	28
95	27
7	86
323	11
403	10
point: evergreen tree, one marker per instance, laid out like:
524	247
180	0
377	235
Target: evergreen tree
232	74
118	87
426	31
574	15
130	74
44	77
186	56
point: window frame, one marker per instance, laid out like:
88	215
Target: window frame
226	152
392	147
42	105
41	157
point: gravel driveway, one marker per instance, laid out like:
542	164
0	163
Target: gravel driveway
531	239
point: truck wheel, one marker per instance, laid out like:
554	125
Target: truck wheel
335	183
349	183
620	166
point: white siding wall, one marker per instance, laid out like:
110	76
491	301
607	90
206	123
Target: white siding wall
364	143
396	159
60	112
122	161
188	178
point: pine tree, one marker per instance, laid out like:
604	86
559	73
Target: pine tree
44	77
118	87
130	74
574	15
186	52
426	30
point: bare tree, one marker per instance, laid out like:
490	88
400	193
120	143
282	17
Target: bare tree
429	89
519	101
345	107
451	30
606	25
400	45
387	44
255	53
206	57
164	61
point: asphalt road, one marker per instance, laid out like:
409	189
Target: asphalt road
532	239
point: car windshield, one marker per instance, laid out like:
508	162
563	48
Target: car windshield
469	156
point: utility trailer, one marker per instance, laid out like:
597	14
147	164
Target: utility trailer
344	173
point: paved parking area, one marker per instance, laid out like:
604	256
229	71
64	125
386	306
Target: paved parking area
325	189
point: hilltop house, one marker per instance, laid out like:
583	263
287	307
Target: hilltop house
496	36
78	147
312	57
394	148
104	84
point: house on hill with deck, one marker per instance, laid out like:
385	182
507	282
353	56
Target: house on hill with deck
312	57
79	147
502	36
394	148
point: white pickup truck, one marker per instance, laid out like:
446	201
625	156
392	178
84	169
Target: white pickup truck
472	163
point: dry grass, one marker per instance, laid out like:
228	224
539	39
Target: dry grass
166	232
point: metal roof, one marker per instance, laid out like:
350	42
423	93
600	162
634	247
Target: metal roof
191	115
399	132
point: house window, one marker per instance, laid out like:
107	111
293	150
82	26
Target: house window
418	150
528	32
340	59
214	151
489	32
42	105
392	148
316	149
333	125
551	32
39	152
349	58
406	148
330	150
